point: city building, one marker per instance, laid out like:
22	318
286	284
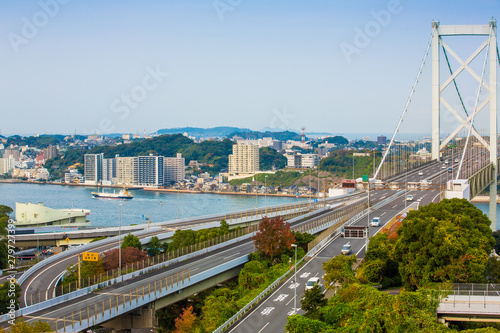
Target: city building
264	142
244	159
301	161
108	170
149	171
72	176
175	169
309	161
93	168
7	165
381	140
124	170
50	152
37	215
14	152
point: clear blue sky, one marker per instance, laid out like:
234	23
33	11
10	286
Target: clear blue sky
126	66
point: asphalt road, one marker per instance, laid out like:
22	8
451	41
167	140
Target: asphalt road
271	315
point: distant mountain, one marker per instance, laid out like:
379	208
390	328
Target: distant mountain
221	131
309	134
283	136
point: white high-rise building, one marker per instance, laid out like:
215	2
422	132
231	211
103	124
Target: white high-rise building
175	168
244	159
7	164
93	168
108	169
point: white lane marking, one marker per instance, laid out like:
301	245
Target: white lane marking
394	206
281	298
267	311
292	312
263	327
294	285
383	214
231	256
305	275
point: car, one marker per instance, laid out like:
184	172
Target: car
456	159
446	162
375	222
420	173
409	197
443	167
450	169
346	249
312	282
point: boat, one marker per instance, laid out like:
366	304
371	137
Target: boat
123	194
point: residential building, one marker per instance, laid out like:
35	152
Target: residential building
301	161
93	168
72	176
6	165
149	171
309	161
124	170
244	159
14	152
381	140
108	170
50	152
175	168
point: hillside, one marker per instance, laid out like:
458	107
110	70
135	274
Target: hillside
216	132
284	136
209	152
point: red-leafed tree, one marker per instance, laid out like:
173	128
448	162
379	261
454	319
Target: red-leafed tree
273	237
186	323
110	258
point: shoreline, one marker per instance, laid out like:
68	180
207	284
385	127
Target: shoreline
483	199
150	189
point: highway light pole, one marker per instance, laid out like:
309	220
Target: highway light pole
120	243
265	193
295	280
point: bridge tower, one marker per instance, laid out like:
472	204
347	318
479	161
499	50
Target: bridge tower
491	43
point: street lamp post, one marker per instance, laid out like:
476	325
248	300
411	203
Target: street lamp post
265	193
120	243
295	280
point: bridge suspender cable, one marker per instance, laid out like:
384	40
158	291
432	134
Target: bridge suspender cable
405	109
475	110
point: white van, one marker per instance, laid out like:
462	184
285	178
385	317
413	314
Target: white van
375	222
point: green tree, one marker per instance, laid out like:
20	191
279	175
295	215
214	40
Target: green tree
445	242
4	223
273	237
218	308
21	326
131	241
154	246
269	158
312	300
300	324
9	293
338	270
224	227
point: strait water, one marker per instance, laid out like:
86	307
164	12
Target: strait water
159	206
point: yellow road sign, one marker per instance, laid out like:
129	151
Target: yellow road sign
67	240
90	256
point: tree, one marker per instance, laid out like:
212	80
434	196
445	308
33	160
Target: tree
218	308
312	300
88	269
131	241
269	158
20	326
110	259
186	323
8	296
273	237
338	270
224	227
154	246
445	242
4	222
300	324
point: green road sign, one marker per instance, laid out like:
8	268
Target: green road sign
365	178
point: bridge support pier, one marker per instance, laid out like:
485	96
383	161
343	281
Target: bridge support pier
128	323
493	203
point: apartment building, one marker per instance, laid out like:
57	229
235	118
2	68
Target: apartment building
244	159
93	168
174	168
